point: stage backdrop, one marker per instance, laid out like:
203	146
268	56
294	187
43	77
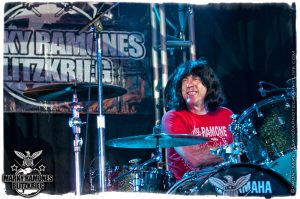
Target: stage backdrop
43	46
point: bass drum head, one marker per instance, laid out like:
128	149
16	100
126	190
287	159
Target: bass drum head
235	180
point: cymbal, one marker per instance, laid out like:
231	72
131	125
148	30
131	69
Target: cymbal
64	92
149	141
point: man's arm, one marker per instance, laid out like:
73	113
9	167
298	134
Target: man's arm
198	156
195	155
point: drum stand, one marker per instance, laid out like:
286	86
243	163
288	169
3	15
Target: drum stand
75	123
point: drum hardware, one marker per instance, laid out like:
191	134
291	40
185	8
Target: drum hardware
248	129
287	104
134	161
263	91
277	152
265	157
291	91
161	164
75	123
279	121
65	92
232	152
291	82
236	128
258	112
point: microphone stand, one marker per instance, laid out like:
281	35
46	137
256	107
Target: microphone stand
100	117
97	28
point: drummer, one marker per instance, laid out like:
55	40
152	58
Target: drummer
195	108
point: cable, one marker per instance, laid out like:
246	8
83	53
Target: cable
87	121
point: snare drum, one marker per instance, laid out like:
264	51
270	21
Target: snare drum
234	180
269	129
151	180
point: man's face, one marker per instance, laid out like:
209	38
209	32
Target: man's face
193	91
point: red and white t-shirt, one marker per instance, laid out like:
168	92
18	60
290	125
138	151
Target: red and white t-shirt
213	125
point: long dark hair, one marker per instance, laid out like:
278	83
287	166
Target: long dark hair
214	97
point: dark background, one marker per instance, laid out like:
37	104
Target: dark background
243	43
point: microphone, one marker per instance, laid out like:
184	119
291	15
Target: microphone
261	90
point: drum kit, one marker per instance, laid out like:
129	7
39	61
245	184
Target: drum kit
265	134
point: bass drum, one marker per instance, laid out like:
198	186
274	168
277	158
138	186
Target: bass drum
234	180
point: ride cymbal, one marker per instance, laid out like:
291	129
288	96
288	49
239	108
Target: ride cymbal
64	92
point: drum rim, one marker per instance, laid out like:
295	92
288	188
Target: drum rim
261	103
226	167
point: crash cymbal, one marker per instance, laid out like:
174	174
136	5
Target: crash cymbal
64	92
150	141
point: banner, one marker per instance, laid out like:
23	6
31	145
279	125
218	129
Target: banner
43	47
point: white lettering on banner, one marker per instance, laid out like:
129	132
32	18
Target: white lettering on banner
17	42
116	44
75	44
210	131
57	70
65	56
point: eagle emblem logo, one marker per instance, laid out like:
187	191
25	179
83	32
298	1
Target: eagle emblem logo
28	159
229	187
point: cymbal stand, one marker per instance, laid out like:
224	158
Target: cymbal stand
75	123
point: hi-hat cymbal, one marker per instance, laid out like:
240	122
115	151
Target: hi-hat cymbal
64	92
150	141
